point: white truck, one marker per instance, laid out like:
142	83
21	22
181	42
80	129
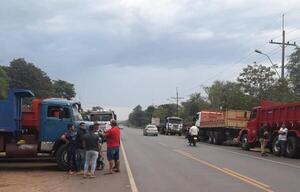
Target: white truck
103	117
172	125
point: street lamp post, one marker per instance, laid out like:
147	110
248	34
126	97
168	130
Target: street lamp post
273	65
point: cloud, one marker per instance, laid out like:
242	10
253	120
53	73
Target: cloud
145	48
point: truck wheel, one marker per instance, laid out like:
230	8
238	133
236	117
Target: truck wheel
245	142
61	157
275	147
210	139
214	139
218	138
292	148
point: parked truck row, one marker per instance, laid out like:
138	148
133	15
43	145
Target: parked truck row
242	127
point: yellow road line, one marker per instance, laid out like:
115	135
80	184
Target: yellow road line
248	178
241	177
130	175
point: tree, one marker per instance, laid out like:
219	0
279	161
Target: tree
64	89
149	112
27	76
137	117
229	95
3	83
165	110
293	69
256	80
282	92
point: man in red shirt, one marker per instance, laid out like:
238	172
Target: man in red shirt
113	145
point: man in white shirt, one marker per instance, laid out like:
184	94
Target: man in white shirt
282	138
193	131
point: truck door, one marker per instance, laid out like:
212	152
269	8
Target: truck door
54	121
252	125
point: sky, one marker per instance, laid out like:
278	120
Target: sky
121	53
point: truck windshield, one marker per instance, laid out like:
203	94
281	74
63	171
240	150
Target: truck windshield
253	114
177	121
101	117
77	115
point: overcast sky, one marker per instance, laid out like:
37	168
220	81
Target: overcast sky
121	53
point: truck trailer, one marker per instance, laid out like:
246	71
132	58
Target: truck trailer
28	131
273	115
221	126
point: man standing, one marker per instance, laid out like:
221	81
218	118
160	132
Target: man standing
282	138
263	139
70	139
80	152
91	146
113	145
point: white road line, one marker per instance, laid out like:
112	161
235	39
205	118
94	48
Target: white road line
162	144
254	157
130	175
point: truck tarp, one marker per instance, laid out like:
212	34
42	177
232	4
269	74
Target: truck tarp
226	119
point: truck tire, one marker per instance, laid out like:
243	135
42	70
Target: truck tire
214	139
210	138
292	148
275	147
245	142
61	157
218	138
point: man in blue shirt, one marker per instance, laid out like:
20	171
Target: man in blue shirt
70	138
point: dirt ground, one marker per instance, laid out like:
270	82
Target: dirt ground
45	177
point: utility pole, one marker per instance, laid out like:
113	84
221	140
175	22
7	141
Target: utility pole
177	98
283	44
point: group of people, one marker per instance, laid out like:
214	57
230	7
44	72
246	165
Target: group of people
84	148
264	138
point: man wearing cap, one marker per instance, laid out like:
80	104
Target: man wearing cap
113	145
80	151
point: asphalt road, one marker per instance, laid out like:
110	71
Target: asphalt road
168	164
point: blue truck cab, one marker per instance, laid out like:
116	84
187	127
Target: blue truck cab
26	131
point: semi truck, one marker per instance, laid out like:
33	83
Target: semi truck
171	125
273	115
29	131
221	126
103	117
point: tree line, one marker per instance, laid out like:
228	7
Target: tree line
25	75
254	83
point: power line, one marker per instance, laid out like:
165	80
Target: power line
177	98
283	45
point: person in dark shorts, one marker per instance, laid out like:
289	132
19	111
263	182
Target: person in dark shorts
113	147
70	139
263	139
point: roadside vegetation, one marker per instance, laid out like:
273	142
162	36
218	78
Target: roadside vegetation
254	83
24	75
